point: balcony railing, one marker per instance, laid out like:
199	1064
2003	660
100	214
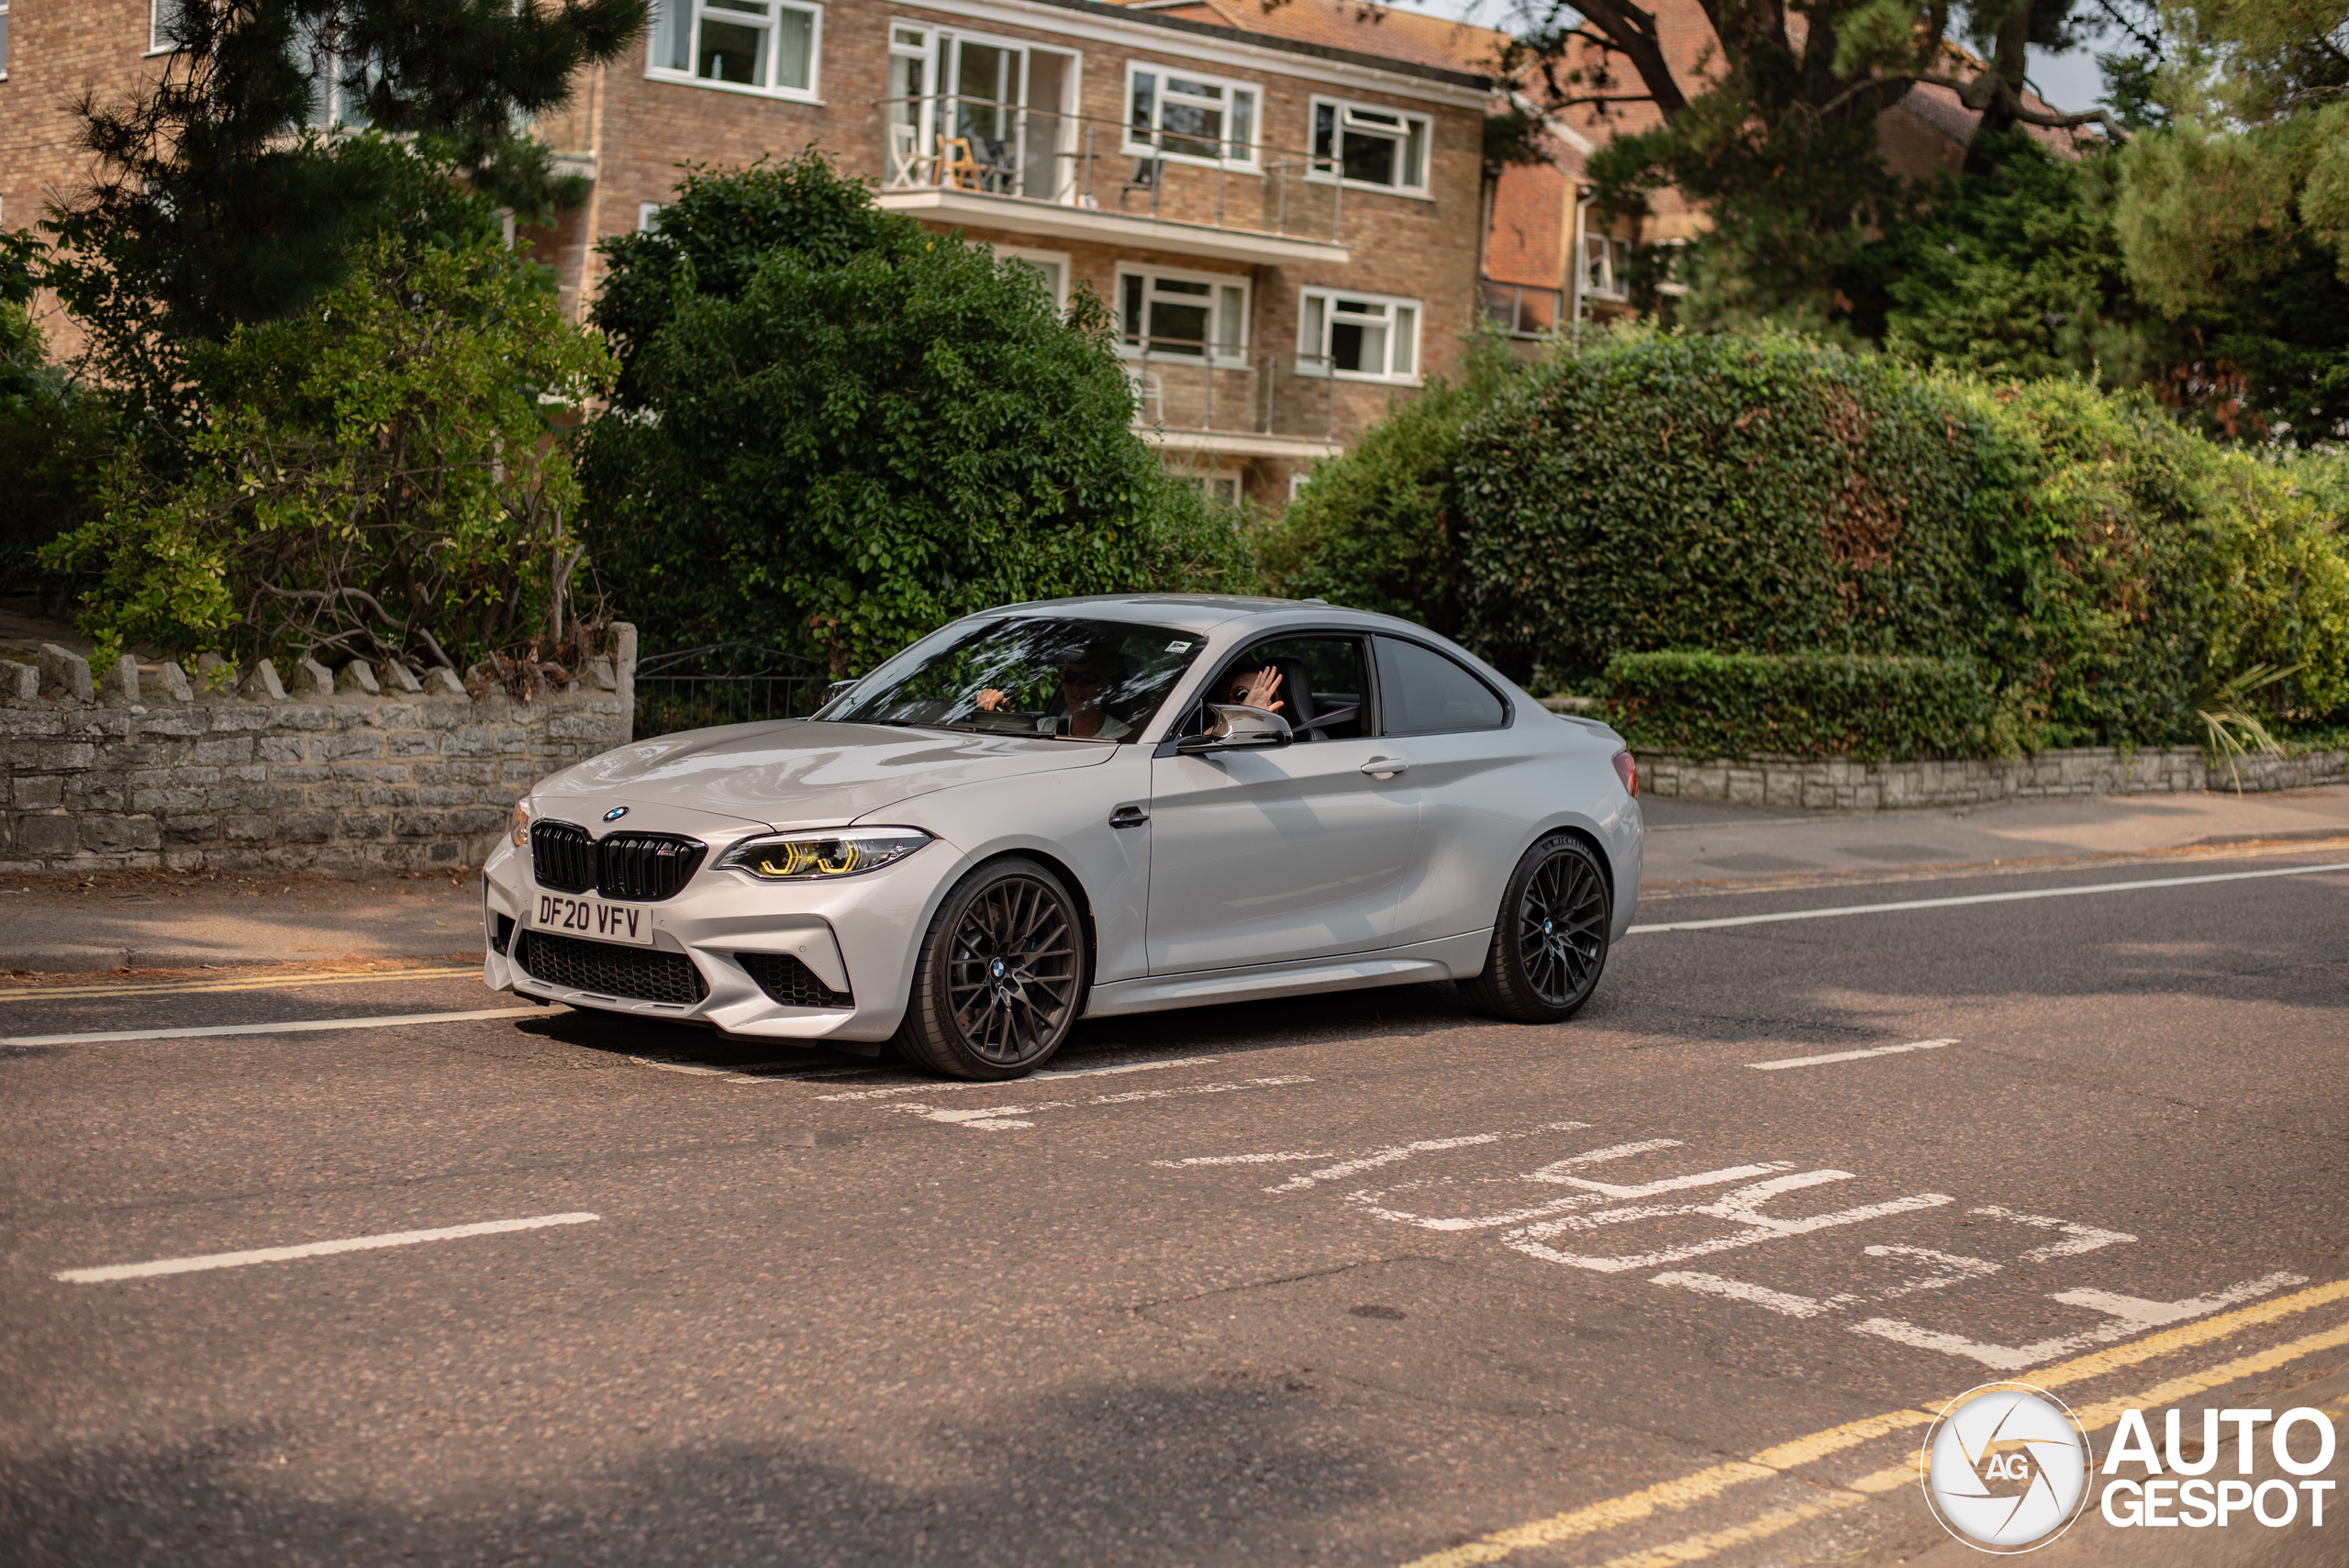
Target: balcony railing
1189	388
1024	154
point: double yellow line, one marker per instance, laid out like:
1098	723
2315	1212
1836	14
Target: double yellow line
1779	1461
226	983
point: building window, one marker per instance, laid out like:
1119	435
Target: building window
1181	315
1358	337
1606	267
4	41
1521	312
648	215
1050	266
1385	150
750	46
162	20
1222	485
1195	119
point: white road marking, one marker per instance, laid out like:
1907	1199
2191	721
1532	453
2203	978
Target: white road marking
2084	1238
313	1249
1848	1055
1242	1160
2129	1315
306	1026
995	1118
1741	1207
897	1089
1377	1158
1724	921
1776	1301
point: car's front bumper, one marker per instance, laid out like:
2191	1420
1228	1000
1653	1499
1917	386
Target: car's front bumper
858	935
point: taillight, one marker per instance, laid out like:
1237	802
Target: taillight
1629	772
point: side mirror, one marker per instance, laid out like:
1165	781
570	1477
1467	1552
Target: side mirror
1241	729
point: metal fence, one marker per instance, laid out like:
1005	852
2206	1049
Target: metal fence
726	683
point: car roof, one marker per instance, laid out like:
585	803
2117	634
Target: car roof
1193	612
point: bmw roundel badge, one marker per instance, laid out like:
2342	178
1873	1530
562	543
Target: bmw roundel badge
616	813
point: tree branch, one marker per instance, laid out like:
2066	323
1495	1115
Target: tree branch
1975	95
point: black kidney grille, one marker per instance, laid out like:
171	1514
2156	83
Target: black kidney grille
563	856
611	970
645	868
790	982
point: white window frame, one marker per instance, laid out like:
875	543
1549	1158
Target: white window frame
1217	354
1207	479
1056	258
701	9
4	41
1329	170
648	215
1245	159
1314	356
1607	278
156	42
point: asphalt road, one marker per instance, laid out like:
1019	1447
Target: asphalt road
1359	1280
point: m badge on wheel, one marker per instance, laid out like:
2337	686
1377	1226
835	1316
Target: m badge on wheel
2005	1468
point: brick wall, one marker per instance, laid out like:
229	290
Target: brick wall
149	768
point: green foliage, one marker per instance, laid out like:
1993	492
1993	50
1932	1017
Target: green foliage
1761	496
1379	529
1871	707
55	436
376	477
870	431
2098	562
215	204
2015	272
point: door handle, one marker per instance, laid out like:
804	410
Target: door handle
1129	816
1384	767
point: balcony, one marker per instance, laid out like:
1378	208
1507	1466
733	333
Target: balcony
1005	166
1231	402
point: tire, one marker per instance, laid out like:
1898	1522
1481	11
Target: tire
1000	976
1550	938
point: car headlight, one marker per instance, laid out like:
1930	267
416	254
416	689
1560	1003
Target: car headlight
522	824
825	853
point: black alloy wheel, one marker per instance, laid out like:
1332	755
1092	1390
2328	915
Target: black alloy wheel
997	986
1550	941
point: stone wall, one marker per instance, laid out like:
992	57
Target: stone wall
1837	783
147	766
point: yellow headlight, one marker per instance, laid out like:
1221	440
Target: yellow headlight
521	824
811	857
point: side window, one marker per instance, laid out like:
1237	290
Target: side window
1421	692
1319	685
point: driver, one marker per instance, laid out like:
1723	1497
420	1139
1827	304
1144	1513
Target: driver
1083	681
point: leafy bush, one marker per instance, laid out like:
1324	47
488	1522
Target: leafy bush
871	429
376	477
1872	706
1379	528
1746	496
56	437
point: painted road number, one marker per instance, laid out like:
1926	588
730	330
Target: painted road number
594	919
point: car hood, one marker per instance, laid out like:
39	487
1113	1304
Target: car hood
798	773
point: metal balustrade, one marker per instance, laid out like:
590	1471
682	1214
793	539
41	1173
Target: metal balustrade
1021	154
1196	387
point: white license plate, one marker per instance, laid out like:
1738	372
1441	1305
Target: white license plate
592	919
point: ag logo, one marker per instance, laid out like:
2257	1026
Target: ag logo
2005	1468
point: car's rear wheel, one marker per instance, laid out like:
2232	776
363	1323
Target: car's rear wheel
997	985
1550	940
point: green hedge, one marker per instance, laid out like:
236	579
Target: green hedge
1872	706
1747	496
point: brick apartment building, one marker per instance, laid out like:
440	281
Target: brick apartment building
1286	230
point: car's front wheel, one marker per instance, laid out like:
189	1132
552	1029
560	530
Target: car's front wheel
997	984
1550	941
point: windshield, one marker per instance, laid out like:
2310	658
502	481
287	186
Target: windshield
1077	680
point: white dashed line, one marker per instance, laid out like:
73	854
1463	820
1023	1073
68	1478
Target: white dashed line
1848	1055
996	1118
313	1250
1728	920
306	1026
